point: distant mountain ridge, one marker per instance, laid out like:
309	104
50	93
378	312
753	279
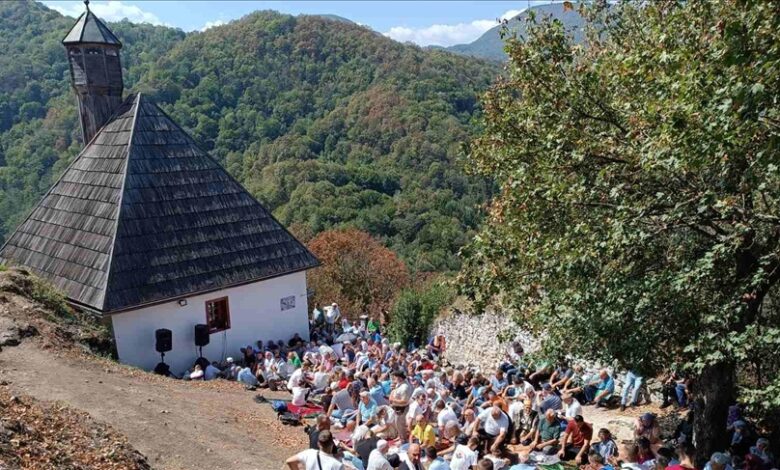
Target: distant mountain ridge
490	45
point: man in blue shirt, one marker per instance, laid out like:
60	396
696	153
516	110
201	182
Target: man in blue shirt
376	391
600	390
367	408
436	462
548	400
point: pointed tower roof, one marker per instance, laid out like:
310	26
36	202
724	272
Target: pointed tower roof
143	215
89	29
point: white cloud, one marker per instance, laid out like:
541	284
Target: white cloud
211	24
441	34
112	10
509	14
447	34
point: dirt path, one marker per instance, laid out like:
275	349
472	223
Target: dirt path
176	425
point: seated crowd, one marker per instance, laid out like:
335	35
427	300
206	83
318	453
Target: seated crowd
384	406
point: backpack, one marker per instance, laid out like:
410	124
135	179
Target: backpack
279	406
290	419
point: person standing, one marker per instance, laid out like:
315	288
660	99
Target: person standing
631	387
399	400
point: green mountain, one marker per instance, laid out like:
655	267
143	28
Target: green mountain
327	122
490	45
39	131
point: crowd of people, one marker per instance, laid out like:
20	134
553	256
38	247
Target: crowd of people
386	406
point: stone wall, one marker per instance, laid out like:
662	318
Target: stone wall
474	340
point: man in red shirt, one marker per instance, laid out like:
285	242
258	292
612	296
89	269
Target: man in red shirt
575	441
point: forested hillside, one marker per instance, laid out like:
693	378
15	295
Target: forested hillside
327	122
39	131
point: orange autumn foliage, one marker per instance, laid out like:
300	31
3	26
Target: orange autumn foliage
357	272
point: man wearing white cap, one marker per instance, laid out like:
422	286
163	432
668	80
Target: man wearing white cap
377	460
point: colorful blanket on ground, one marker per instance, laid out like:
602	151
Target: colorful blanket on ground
305	410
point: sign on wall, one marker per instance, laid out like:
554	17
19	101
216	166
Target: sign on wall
288	302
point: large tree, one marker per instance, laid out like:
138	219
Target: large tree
357	272
637	218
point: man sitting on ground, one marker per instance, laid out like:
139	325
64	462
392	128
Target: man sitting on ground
367	409
423	432
494	428
322	458
547	434
571	407
342	406
600	390
561	375
465	455
322	424
575	442
548	400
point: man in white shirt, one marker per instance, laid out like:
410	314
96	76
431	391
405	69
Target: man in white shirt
444	414
332	315
418	406
399	400
317	459
296	378
377	459
495	425
465	456
571	407
386	423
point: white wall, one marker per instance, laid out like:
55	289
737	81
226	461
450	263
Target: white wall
255	314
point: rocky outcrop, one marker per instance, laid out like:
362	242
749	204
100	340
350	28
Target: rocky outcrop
12	333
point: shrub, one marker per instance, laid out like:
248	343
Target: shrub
415	310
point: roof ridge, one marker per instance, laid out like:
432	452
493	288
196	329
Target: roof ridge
137	104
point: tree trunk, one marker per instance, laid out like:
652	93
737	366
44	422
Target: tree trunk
714	390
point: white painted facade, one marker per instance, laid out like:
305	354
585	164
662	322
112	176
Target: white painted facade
255	314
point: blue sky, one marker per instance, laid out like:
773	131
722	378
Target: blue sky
425	23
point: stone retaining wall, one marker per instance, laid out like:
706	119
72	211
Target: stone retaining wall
473	340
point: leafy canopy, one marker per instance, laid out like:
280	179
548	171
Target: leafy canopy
637	218
357	272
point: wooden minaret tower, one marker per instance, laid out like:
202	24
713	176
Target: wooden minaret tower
95	71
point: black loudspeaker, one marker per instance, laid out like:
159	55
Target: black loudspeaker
201	335
163	340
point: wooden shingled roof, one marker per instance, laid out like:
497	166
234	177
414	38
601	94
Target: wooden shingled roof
90	30
143	215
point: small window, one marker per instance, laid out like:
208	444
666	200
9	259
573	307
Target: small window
218	314
111	52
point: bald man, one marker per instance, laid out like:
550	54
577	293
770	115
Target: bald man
411	461
494	428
